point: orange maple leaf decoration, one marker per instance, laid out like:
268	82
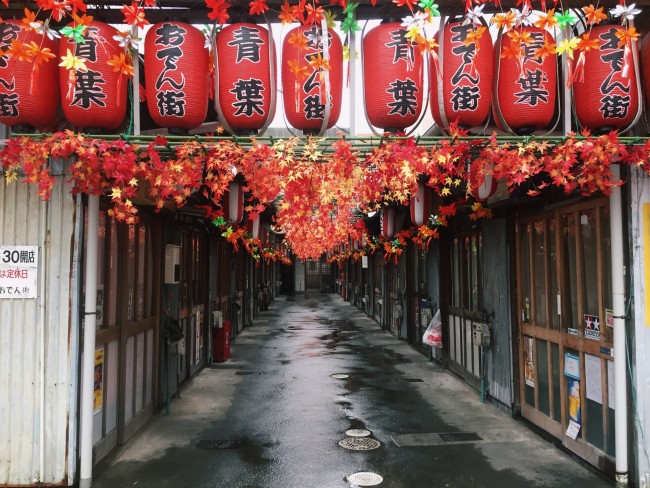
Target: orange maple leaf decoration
121	64
134	14
547	20
546	50
504	21
626	36
318	63
258	7
298	40
511	50
586	44
594	15
287	14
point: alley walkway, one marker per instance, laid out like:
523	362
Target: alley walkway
276	415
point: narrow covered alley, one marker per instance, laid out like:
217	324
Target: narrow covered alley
310	375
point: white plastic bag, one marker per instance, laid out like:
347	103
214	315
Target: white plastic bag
433	335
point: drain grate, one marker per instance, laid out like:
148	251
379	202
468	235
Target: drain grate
460	436
359	443
213	445
414	380
365	479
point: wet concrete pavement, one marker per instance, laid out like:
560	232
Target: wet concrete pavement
274	415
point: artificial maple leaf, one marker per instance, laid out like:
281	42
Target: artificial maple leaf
626	36
318	63
520	37
16	50
30	17
72	62
511	50
134	14
474	36
547	49
121	65
567	46
546	21
37	53
407	3
586	44
84	20
504	21
594	15
287	14
258	7
313	15
298	40
77	6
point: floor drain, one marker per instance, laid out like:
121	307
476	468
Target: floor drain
365	479
357	433
460	436
414	380
340	376
212	445
359	443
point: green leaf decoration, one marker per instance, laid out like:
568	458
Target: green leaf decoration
565	19
75	33
351	7
330	18
219	221
350	24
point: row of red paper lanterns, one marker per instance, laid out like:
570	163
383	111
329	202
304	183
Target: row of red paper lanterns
467	82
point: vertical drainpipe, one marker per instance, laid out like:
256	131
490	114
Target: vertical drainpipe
88	362
620	349
352	82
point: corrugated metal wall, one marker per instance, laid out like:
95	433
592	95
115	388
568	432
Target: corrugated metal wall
496	298
34	415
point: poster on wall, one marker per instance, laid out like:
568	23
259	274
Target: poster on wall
571	366
18	271
98	388
593	378
592	327
574	408
529	365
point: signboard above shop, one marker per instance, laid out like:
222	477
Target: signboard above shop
18	271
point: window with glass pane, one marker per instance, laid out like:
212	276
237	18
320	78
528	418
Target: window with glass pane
570	319
589	253
524	250
552	274
606	244
539	272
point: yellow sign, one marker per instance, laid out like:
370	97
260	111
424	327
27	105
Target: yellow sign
98	396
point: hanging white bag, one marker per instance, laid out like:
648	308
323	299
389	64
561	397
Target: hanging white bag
433	335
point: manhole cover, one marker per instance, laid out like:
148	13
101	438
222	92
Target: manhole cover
213	445
365	479
340	376
460	436
357	433
359	443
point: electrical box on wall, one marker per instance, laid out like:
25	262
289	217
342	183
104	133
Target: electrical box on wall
172	264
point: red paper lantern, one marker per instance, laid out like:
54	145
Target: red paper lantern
244	76
421	205
96	97
253	225
392	77
607	98
525	87
29	93
176	73
387	219
303	97
464	93
482	186
232	203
